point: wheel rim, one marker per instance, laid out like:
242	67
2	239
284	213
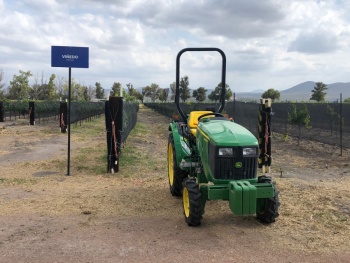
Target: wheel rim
186	202
170	164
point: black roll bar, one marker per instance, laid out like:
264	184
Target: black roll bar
223	77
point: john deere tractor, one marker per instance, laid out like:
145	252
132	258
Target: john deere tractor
210	157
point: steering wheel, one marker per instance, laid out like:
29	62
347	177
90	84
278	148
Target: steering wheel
216	114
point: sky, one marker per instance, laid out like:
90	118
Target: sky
268	44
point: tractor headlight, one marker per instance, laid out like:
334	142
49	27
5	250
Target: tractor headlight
225	151
249	151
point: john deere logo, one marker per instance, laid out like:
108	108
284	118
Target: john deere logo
238	165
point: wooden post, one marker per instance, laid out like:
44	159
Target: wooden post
63	117
31	113
114	127
264	161
2	111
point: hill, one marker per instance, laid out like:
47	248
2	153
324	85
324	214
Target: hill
302	92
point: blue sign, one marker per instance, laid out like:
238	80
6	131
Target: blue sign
69	57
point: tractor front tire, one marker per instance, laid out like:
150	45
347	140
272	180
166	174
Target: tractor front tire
175	174
191	200
269	213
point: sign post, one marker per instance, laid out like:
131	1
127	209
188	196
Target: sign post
69	57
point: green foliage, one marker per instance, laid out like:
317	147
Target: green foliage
131	90
334	117
16	106
152	91
19	86
200	94
271	94
116	89
318	93
299	117
163	95
347	100
47	106
216	93
132	94
2	93
173	90
184	88
42	90
99	91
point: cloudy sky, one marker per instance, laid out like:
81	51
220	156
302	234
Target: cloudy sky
268	44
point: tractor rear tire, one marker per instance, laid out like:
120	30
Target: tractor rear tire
269	213
175	174
191	200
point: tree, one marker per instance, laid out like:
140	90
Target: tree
19	86
299	117
200	94
1	84
347	100
100	92
152	91
133	94
79	92
90	93
216	93
271	94
116	89
60	87
173	90
139	96
51	88
334	117
184	88
318	93
163	95
42	90
82	92
131	90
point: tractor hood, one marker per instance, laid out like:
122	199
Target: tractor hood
226	133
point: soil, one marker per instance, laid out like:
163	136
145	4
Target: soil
130	216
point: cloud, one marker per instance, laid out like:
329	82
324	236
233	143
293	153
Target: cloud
315	42
232	19
136	41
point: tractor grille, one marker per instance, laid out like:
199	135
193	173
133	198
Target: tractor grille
225	168
234	167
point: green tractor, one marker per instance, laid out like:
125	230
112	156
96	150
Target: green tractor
210	157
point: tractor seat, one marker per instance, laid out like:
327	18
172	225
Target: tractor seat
193	120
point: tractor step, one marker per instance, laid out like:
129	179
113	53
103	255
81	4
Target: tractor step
185	164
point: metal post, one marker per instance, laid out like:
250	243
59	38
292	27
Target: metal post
68	123
234	106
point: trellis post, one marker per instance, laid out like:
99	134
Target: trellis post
114	126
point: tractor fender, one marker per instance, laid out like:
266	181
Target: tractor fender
181	150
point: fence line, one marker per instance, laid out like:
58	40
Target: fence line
329	122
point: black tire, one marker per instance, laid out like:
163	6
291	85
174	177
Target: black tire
269	213
175	174
191	200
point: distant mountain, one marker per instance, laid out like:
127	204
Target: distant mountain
258	91
302	92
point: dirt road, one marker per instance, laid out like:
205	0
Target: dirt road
130	216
